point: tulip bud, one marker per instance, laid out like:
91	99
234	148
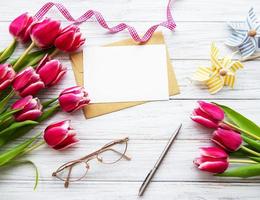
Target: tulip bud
51	72
208	114
227	139
7	75
212	160
20	27
27	82
60	135
70	39
31	108
74	98
44	33
212	110
203	118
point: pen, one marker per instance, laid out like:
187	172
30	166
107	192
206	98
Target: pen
150	175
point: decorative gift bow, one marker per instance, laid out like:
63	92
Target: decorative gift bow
220	74
245	36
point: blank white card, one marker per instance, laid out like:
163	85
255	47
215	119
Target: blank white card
126	73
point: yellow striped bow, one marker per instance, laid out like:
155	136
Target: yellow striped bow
220	74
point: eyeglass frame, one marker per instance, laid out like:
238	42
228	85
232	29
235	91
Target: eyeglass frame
91	156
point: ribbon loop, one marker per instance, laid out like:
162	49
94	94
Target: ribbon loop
169	23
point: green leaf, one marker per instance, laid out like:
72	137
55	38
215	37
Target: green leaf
7	114
49	112
32	59
15	151
252	143
18	162
8	51
241	121
244	171
17	125
5	101
5	138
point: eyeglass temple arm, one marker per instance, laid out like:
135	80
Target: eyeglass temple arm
66	184
121	154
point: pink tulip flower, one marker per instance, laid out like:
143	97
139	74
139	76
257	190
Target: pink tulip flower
31	108
44	33
51	72
20	27
227	139
208	114
70	39
27	82
74	98
60	135
7	75
212	160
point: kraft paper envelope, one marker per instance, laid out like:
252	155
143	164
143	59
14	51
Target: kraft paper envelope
94	110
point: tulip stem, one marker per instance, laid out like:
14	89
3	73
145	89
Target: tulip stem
242	161
241	130
35	146
250	151
45	104
21	58
54	53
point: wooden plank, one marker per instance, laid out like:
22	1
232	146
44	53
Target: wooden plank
128	191
189	41
151	121
145	10
247	82
177	166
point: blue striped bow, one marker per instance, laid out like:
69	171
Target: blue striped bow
245	35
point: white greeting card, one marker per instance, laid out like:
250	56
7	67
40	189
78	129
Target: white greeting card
126	73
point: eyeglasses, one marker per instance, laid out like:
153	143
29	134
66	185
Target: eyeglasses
76	170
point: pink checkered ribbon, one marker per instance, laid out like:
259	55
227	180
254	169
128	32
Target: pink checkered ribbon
169	23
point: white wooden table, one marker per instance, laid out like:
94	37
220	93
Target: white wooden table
150	125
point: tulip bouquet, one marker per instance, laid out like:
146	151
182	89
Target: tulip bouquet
236	137
25	76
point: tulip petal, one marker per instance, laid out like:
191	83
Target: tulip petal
29	115
202	159
69	102
211	109
81	104
45	32
49	71
32	89
65	41
213	152
5	84
204	121
62	124
74	89
58	78
22	78
227	139
214	167
21	103
54	136
68	142
18	24
3	70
